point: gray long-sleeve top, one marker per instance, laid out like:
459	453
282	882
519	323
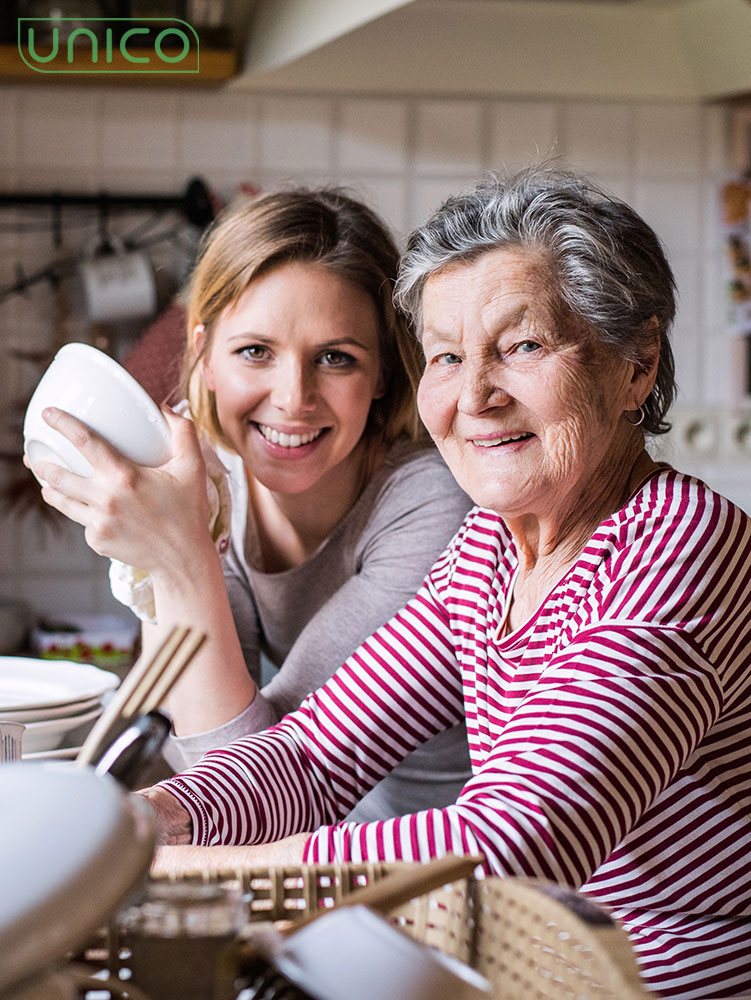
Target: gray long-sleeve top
308	619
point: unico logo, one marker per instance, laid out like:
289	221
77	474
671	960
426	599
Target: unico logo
108	45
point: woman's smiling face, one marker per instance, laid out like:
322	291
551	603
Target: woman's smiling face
526	414
294	366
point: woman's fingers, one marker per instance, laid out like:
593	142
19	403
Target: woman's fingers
138	515
91	445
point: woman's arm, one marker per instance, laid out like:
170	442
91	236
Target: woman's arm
157	520
179	860
319	761
571	771
417	510
567	762
176	855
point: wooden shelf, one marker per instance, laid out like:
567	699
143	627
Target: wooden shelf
216	66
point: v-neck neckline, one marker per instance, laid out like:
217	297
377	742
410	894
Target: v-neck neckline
503	632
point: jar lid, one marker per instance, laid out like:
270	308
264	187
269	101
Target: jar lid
176	909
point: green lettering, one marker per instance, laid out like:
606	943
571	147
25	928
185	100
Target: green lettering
94	43
124	39
158	45
32	51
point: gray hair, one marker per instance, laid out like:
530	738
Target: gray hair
605	264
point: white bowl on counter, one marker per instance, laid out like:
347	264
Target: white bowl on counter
49	734
57	701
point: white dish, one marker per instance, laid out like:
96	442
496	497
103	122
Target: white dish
49	735
76	846
353	952
61	753
93	387
27	683
54	712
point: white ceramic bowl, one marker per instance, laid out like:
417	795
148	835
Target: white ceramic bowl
96	389
50	733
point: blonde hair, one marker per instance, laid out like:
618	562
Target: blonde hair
327	228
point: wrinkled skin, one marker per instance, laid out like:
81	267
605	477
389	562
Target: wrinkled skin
502	364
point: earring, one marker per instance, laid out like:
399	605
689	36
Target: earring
640	419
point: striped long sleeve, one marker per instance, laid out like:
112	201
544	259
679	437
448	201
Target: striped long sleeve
609	736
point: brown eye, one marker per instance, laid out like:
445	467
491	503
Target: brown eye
253	352
336	359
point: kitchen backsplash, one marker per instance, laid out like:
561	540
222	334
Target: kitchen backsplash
403	155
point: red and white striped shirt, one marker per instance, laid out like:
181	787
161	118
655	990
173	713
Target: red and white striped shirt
609	736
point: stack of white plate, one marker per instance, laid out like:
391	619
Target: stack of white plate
57	700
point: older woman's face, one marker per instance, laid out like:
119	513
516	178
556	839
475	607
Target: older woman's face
527	416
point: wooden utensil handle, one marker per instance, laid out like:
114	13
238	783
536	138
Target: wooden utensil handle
415	880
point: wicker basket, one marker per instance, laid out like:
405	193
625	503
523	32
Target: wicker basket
532	941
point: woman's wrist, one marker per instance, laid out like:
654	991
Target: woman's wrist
174	825
190	566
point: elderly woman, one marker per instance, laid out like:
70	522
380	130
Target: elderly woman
590	619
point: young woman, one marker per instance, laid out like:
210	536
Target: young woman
301	375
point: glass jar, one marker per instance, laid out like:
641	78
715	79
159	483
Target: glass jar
182	938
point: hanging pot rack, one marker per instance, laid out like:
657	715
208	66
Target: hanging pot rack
195	204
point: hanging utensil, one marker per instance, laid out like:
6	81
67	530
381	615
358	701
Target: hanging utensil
134	750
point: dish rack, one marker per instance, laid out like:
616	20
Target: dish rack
531	940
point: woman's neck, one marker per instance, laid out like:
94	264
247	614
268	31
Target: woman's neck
292	526
548	546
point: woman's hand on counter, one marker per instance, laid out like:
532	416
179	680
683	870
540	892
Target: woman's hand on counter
176	860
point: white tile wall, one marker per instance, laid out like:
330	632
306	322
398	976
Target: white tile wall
372	136
521	131
58	136
448	137
296	134
600	136
9	152
674	209
404	155
219	142
430	192
667	140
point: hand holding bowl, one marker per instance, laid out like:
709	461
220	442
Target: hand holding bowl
92	386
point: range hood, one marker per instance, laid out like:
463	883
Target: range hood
651	49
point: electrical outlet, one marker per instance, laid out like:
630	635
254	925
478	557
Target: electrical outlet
736	435
695	433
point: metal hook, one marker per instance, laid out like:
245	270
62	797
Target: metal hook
105	244
22	282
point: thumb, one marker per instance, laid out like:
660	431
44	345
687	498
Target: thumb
183	433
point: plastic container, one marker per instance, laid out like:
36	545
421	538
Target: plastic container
106	641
